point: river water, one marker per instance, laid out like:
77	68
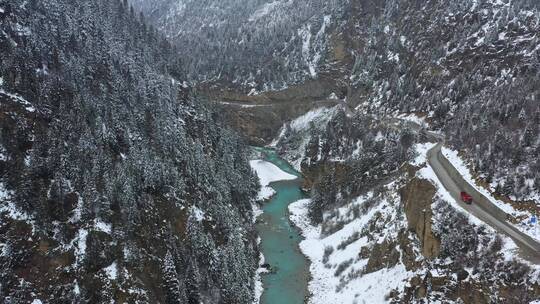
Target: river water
280	239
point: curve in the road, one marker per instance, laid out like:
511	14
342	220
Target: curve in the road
482	207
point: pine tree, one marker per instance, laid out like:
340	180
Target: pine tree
170	280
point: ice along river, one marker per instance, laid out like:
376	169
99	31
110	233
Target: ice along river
287	283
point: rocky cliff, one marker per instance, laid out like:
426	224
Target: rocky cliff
417	197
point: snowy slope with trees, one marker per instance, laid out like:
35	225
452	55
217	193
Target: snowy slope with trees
380	227
116	185
472	68
262	44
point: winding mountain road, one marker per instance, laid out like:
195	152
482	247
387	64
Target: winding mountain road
481	207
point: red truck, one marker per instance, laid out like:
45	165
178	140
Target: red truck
466	197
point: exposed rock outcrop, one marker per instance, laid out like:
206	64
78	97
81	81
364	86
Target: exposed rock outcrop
383	255
417	197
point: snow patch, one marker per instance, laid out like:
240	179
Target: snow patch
317	118
313	47
112	271
333	96
80	249
77	213
76	288
257	211
351	285
28	106
8	207
3	153
268	173
415	119
103	227
241	105
265	193
421	153
198	214
259	288
268	8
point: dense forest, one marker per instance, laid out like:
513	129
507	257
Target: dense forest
255	44
116	183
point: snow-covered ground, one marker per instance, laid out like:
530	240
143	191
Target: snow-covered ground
421	121
301	126
112	271
267	9
28	106
313	46
351	284
10	209
259	288
268	173
243	105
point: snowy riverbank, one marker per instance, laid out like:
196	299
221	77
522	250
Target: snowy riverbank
267	174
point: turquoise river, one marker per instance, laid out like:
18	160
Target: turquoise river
287	283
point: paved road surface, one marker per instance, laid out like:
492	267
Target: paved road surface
481	207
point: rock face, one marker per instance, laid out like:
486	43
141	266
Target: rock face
382	255
417	197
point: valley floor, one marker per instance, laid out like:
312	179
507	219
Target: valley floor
283	273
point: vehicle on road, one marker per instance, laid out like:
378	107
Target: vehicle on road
466	197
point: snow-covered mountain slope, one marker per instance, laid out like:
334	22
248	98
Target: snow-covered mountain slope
380	228
469	68
116	183
115	187
472	68
302	127
263	44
